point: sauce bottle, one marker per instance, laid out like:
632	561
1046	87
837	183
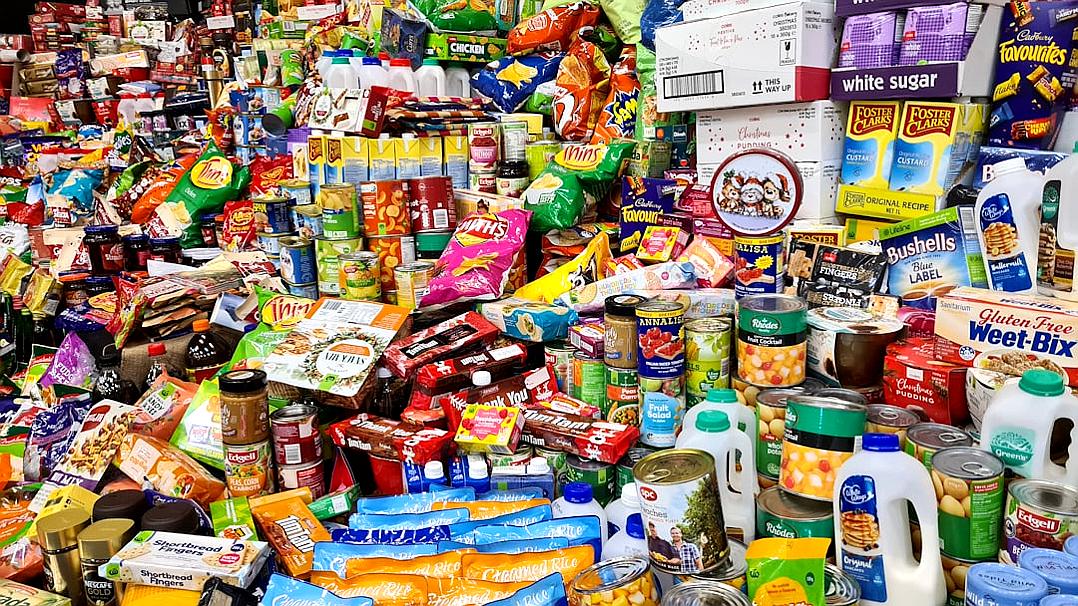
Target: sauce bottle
206	353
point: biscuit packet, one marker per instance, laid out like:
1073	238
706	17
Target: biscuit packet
529	320
283	589
290	527
486	510
586	267
465	592
528	567
441	566
386	589
185	561
167	469
787	572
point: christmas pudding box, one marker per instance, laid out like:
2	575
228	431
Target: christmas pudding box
972	321
914	379
806	132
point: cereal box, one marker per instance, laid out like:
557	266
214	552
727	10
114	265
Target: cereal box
971	322
185	561
871	129
925	160
931	255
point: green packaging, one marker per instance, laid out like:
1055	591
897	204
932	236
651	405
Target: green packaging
787	572
232	519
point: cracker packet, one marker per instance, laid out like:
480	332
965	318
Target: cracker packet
787	572
167	469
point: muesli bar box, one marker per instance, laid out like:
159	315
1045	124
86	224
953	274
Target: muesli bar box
185	561
973	321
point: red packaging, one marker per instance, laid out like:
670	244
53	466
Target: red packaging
914	379
431	204
456	373
552	29
388	476
583	436
539	385
390	439
405	356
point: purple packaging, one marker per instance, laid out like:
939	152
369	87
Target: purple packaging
642	201
939	33
871	40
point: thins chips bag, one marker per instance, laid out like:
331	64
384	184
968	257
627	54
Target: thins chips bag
552	29
577	178
212	181
617	118
582	84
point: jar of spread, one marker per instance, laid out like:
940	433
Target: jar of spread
136	252
74	285
208	225
244	407
105	249
620	336
96	285
511	179
178	516
165	249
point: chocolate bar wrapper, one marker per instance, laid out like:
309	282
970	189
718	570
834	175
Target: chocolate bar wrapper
583	436
405	356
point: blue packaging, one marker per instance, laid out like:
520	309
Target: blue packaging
412	503
465	471
642	201
532	475
547	591
401	521
377	536
298	265
1060	600
991	584
1058	569
533	515
524	545
332	557
1071	545
1009	271
579	530
1036	160
285	589
511	495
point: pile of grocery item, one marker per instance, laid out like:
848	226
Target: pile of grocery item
616	303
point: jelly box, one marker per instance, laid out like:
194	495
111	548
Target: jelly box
914	379
487	428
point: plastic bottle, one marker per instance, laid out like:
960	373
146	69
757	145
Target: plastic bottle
1059	213
1023	440
383	58
206	353
629	541
340	74
144	104
158	366
355	61
619	510
125	109
323	62
458	83
872	525
1007	214
714	434
576	500
371	73
477	475
726	400
109	384
401	76
430	79
434	473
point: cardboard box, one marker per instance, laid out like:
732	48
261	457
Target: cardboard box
776	54
465	47
884	203
806	132
914	379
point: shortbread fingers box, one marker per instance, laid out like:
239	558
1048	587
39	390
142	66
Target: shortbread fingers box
773	54
184	561
984	328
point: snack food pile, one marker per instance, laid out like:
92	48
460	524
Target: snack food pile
607	303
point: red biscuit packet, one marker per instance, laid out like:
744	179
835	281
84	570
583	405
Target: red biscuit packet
552	29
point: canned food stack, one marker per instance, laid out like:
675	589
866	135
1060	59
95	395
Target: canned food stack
297	448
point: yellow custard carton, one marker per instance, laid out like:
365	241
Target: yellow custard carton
383	157
333	170
409	157
431	153
455	149
871	130
316	161
926	159
356	160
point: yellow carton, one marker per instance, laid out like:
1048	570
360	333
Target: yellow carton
871	129
334	167
926	160
383	158
357	163
72	496
316	162
864	230
884	204
431	152
409	157
300	168
456	160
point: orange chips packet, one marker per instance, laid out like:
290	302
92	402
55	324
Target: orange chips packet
386	589
552	29
292	530
485	510
465	592
527	567
442	566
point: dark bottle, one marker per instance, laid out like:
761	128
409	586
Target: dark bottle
24	333
7	334
43	333
158	365
109	385
206	353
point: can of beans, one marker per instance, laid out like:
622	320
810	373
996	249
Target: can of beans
1040	513
884	418
556	460
673	483
308	291
820	436
707	357
771	419
622	394
298	265
924	439
298	190
296	437
392	251
305	475
559	354
385	208
788	516
662	404
661	339
625	465
731	572
600	476
969	490
272	215
327	253
589	379
307	220
339	217
359	276
249	469
771	335
431	204
413	281
759	263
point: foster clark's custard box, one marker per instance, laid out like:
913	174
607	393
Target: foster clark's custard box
973	324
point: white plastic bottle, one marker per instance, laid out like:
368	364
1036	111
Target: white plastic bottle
371	73
628	541
727	401
1007	214
323	63
355	60
1059	214
125	109
430	79
434	473
1017	426
340	74
144	104
619	510
873	491
458	83
713	433
401	76
383	58
576	500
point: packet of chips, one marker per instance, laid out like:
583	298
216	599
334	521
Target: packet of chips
553	29
509	81
212	181
787	572
587	267
577	178
583	81
617	118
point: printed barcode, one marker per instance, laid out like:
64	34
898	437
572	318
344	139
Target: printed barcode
292	454
690	85
331	305
342	357
969	226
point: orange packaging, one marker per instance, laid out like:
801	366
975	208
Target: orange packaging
171	471
485	510
392	251
385	208
441	566
386	589
527	567
453	592
292	530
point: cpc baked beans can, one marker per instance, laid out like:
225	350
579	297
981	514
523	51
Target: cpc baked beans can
758	263
559	354
771	337
296	437
969	491
298	190
431	204
327	254
732	572
360	276
392	251
249	469
272	215
305	475
924	439
661	339
385	208
339	217
679	503
821	434
298	264
1040	513
413	281
771	419
884	418
788	516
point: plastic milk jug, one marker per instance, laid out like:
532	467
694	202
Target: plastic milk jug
576	500
872	526
430	79
458	83
619	510
628	541
714	434
1059	230
726	400
1008	226
371	73
401	76
340	74
1017	426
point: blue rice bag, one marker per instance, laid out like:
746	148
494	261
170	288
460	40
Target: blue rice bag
332	557
523	545
400	521
524	517
526	493
509	81
377	536
547	591
413	503
444	546
294	591
580	530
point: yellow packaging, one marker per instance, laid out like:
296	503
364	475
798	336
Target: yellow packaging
409	157
304	494
864	230
386	589
333	171
926	160
589	266
148	595
534	122
485	510
787	572
300	168
871	130
430	150
884	203
65	497
357	163
383	158
831	235
316	162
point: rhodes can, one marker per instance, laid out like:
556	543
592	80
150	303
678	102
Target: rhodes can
296	437
600	476
820	436
298	265
924	439
661	339
758	263
589	379
788	516
969	490
626	464
327	253
772	331
1039	513
249	469
707	357
679	498
359	276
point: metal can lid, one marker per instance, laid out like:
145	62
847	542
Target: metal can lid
733	567
297	410
839	588
674	466
846	395
295	242
776	398
243	381
101	540
773	303
415	267
718	324
937	436
967	463
782	504
60	530
1052	497
582	464
892	416
623	305
704	593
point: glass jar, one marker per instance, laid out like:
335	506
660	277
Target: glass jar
208	225
608	582
105	249
165	249
74	285
96	285
244	407
620	336
136	252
